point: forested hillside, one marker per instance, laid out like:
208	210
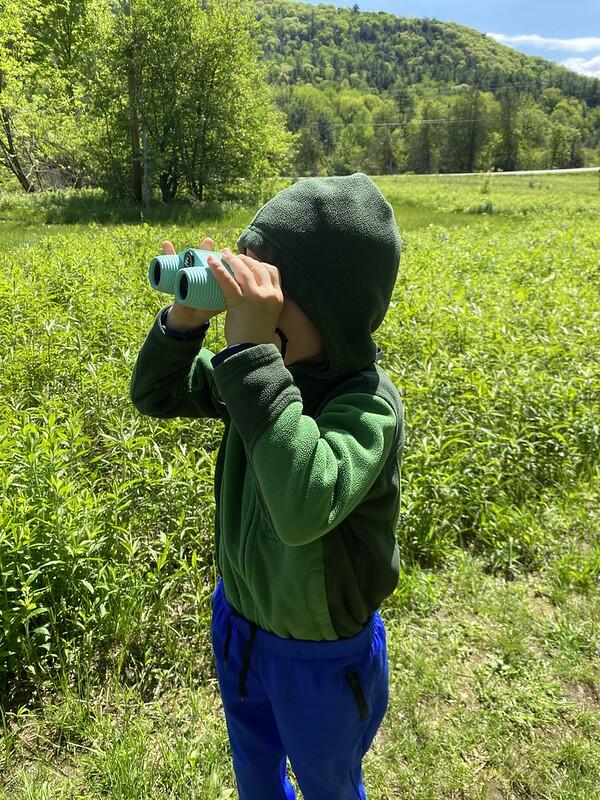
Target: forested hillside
311	44
386	94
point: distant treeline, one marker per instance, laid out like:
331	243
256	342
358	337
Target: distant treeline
210	98
387	94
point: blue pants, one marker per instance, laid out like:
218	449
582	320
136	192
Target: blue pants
318	703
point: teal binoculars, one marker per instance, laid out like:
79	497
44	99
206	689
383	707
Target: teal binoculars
188	277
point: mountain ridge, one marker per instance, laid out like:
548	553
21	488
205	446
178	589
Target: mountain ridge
388	48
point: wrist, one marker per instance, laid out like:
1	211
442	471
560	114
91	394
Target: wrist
183	319
257	338
192	334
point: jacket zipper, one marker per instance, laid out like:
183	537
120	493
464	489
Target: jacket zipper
354	681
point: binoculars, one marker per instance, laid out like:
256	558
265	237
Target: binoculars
188	276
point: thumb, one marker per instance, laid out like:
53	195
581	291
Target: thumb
168	248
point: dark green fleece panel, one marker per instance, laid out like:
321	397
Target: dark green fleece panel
256	386
174	378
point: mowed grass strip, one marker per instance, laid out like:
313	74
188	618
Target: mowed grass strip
493	694
106	545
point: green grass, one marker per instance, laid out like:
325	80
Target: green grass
106	563
494	694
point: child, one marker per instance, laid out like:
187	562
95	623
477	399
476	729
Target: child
307	479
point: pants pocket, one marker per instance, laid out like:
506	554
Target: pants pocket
354	683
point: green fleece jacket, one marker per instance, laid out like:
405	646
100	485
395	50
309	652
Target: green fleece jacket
307	479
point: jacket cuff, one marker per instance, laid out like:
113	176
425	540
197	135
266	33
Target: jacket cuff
256	386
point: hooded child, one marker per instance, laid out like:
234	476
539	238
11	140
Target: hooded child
307	486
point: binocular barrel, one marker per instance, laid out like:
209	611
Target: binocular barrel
188	277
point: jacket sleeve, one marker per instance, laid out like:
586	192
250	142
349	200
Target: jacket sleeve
310	473
173	377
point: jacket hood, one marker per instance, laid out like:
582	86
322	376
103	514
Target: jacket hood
337	247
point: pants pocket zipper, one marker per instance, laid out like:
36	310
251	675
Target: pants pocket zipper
354	681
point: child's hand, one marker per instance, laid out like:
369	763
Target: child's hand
253	296
180	316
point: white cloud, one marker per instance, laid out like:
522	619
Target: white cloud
585	66
583	44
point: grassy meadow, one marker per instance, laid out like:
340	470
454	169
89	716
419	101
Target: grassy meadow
107	685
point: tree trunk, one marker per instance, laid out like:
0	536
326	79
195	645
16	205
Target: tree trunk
11	159
145	183
134	126
197	189
168	186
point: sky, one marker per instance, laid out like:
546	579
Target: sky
565	32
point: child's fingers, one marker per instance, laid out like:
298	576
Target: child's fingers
271	269
229	286
248	271
207	244
238	267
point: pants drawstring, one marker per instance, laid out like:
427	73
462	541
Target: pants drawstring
247	651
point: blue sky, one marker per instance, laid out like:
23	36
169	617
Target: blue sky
565	32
